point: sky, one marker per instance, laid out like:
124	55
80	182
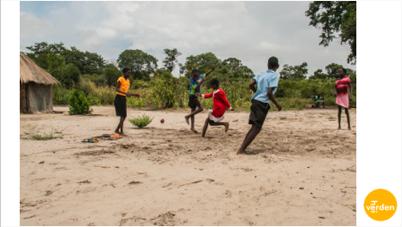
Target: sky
249	31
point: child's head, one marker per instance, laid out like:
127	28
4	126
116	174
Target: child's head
341	72
273	63
195	73
126	71
214	84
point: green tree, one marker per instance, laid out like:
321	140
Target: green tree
319	74
332	70
111	73
70	75
294	72
141	64
43	53
87	62
235	69
335	18
204	62
170	60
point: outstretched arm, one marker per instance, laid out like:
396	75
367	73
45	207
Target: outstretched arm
207	95
126	93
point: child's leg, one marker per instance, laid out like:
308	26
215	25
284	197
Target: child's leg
192	118
252	133
192	113
347	117
196	111
226	124
120	125
339	116
204	129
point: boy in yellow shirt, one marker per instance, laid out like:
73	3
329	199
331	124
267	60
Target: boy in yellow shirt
120	101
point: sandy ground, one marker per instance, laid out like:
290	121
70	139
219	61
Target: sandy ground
301	172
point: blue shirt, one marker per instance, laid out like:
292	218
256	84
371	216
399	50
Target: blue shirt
265	80
194	83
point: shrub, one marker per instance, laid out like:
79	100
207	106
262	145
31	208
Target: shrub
78	103
141	121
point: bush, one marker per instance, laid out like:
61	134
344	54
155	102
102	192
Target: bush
78	103
141	121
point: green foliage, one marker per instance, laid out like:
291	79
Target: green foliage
141	64
141	121
204	62
70	75
335	17
163	88
111	74
78	103
171	58
87	62
294	72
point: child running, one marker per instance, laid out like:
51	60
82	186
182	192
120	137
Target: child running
343	88
220	105
264	87
195	83
120	101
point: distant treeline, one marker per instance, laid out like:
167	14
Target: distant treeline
89	72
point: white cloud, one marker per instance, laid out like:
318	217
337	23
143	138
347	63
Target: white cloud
249	31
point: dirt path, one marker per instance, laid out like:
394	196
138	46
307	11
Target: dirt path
302	171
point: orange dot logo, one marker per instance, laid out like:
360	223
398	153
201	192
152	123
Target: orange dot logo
380	204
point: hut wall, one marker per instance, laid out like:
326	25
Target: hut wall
39	98
24	107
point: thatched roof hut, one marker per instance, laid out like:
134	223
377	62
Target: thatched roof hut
35	87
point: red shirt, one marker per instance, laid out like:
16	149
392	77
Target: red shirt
220	102
342	85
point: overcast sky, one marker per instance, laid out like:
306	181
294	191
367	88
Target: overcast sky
249	31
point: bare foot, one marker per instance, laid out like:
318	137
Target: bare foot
240	152
226	127
186	117
195	131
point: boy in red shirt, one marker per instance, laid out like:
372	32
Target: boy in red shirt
220	105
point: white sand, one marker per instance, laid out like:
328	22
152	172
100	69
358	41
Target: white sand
303	172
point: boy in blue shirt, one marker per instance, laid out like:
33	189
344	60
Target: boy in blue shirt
195	83
264	87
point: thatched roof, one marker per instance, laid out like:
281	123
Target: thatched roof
31	72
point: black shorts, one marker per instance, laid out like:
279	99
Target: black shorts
120	105
193	102
259	111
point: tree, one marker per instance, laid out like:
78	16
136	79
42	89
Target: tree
319	74
111	73
171	58
204	62
87	62
235	68
43	52
294	72
70	75
337	17
332	70
141	64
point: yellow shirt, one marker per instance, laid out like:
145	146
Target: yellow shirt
124	85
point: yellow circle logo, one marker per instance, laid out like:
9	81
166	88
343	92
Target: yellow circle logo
380	205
